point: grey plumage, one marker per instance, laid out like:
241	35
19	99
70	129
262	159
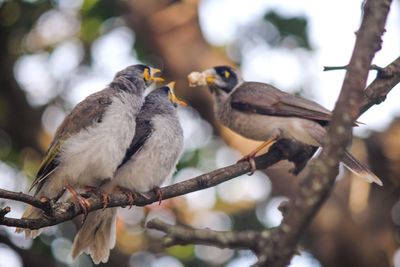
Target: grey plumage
262	112
91	141
149	160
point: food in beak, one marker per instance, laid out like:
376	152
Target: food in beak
197	79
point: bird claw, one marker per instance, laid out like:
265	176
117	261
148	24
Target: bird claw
251	159
158	192
129	194
83	203
105	198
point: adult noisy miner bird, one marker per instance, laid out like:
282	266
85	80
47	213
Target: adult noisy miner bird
150	159
91	142
262	112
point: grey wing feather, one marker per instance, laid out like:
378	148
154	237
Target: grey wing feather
143	131
86	113
268	100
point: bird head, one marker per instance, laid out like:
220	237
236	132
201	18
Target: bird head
220	79
147	73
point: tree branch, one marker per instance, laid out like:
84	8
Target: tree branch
58	212
377	91
184	235
316	188
5	194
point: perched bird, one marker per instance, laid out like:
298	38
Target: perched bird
262	112
91	141
150	158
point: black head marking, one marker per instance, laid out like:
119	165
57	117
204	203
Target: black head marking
228	78
165	90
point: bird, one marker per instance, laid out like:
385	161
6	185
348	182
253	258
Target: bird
262	112
92	139
150	159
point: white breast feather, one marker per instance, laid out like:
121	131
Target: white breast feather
157	159
97	151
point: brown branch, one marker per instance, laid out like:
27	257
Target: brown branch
19	196
377	91
60	212
380	70
316	188
184	235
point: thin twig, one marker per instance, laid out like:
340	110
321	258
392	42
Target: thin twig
329	68
19	196
380	70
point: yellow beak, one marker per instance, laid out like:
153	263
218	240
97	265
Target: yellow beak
151	75
172	97
210	80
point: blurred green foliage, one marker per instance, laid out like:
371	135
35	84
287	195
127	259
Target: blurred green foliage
295	27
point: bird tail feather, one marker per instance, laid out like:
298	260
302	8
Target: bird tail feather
359	169
97	236
31	213
50	189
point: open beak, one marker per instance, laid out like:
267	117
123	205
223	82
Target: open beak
151	75
172	97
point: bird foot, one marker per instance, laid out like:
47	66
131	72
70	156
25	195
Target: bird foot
129	194
99	192
158	192
81	201
251	159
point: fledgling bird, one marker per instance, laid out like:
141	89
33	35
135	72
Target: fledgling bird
91	141
150	158
262	112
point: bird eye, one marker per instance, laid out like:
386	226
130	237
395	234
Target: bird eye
227	74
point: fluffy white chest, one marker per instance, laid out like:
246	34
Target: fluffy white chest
260	127
95	152
156	160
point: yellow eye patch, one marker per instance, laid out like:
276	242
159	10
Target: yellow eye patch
227	74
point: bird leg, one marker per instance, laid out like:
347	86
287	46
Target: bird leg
99	192
82	202
128	193
251	156
158	192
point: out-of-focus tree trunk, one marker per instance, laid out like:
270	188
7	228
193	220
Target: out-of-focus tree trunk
17	118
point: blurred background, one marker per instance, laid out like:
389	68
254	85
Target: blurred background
55	53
